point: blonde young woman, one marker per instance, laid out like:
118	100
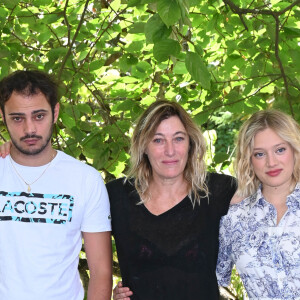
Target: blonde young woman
165	215
261	234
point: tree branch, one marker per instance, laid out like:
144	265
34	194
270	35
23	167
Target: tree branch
286	85
102	33
73	40
241	99
67	22
275	15
288	7
97	93
245	79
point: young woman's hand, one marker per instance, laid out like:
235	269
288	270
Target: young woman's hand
121	293
5	149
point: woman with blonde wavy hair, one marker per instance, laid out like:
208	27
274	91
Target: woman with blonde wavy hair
165	215
261	234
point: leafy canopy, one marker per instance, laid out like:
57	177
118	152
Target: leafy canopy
221	60
113	58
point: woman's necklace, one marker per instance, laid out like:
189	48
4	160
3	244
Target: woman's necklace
27	183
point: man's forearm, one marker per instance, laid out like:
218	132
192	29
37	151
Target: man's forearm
99	289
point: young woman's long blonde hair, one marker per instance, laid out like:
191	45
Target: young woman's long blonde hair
284	125
141	170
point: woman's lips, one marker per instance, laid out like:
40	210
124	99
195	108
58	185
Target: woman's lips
274	173
170	162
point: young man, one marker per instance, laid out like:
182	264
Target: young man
48	202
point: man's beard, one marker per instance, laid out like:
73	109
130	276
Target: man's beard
35	151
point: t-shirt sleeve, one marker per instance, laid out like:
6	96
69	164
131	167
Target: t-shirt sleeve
96	217
225	262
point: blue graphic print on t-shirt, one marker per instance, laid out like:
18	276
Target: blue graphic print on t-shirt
36	207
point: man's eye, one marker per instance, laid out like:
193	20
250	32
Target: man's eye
17	119
39	117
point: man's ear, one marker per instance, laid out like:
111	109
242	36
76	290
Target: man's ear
56	112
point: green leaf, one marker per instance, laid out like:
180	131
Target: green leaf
54	54
10	3
199	49
4	53
94	148
83	54
123	63
135	46
5	66
115	4
144	67
201	118
237	107
43	37
78	134
292	32
118	164
164	49
95	65
52	18
67	120
180	68
271	31
73	149
141	70
169	11
156	30
132	3
294	92
197	69
123	106
101	158
295	55
116	168
84	108
220	157
233	96
42	2
138	27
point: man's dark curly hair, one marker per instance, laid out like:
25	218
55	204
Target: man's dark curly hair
28	83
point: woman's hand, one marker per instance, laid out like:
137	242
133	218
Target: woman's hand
121	292
5	149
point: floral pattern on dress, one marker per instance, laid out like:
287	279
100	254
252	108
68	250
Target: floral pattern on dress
266	254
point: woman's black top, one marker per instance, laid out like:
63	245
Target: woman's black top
173	255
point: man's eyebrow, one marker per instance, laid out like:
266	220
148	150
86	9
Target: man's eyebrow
23	114
16	114
39	111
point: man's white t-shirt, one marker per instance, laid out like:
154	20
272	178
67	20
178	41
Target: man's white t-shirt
40	231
